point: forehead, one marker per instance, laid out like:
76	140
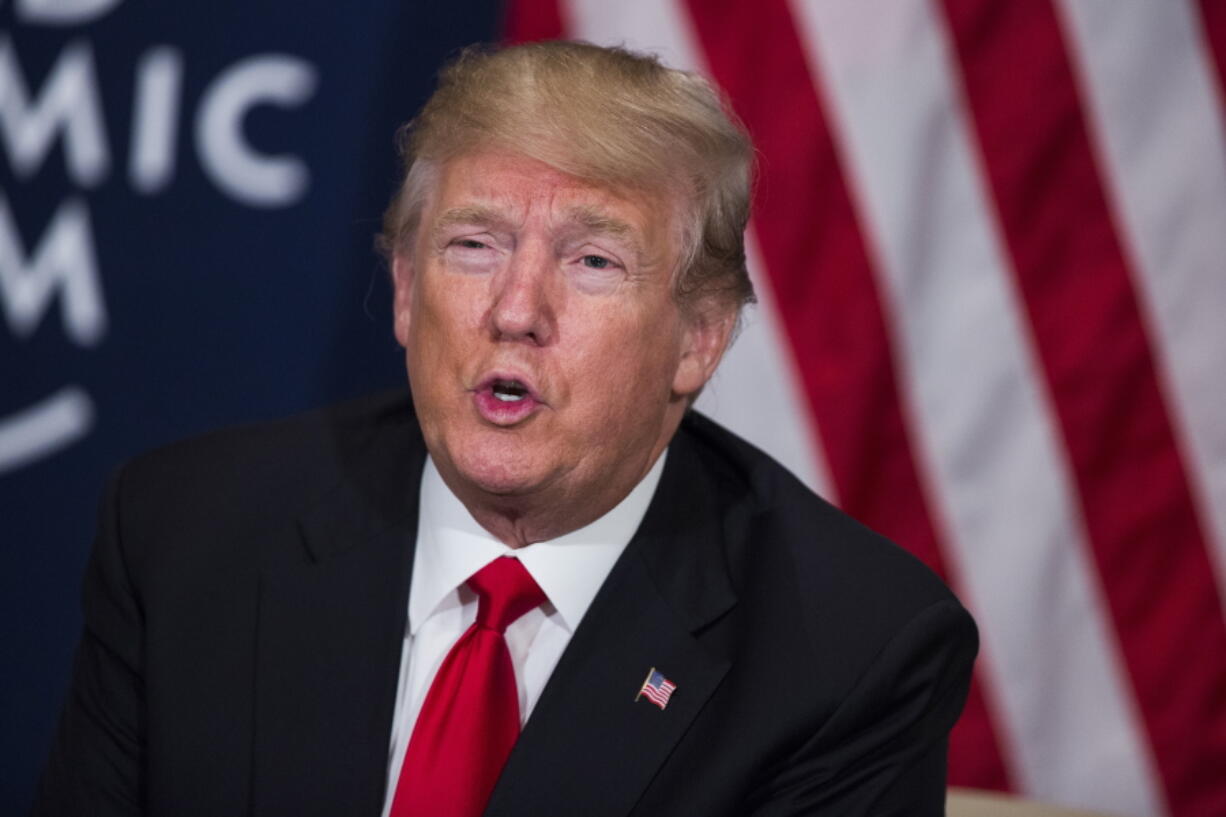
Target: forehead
515	189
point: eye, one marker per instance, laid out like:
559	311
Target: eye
596	262
470	244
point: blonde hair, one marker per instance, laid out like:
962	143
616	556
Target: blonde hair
605	115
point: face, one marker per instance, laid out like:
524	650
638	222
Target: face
546	354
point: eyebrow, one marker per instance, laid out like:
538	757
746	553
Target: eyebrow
482	216
587	218
590	218
594	220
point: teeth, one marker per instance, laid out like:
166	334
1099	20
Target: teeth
509	391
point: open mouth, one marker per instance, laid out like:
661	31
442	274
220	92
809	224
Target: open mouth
508	391
506	400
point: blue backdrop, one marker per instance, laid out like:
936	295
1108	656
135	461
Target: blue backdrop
188	197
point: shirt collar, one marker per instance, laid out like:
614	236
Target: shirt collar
452	546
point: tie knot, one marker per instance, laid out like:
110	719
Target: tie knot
506	591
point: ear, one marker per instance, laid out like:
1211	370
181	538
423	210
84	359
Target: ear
704	341
402	301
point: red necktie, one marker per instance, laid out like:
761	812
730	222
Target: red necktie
470	718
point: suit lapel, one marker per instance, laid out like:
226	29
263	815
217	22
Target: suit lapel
589	747
331	629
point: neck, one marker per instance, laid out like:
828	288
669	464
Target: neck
523	519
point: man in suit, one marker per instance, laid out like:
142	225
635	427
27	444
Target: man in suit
358	610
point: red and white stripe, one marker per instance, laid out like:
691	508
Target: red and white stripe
990	244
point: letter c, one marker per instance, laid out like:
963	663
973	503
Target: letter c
234	166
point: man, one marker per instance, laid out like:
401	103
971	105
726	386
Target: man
356	611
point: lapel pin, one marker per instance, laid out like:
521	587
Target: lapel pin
656	688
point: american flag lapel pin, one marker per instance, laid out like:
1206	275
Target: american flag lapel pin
656	688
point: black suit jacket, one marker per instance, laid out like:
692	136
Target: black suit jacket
246	602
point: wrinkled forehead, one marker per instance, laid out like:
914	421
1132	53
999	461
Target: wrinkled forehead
508	191
506	213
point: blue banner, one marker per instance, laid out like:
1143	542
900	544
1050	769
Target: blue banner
188	199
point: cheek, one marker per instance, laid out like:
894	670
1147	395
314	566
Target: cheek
435	346
633	372
445	313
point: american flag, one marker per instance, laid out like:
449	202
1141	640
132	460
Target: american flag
990	248
656	688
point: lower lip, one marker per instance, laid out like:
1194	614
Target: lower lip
503	412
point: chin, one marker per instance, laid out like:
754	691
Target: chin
499	467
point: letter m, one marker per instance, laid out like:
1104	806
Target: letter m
63	262
68	103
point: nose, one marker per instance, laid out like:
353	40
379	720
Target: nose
523	306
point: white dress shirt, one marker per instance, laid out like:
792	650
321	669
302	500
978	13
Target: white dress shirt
451	547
